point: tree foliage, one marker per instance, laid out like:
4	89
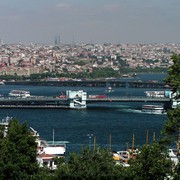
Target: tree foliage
173	78
89	164
150	164
18	153
169	133
172	124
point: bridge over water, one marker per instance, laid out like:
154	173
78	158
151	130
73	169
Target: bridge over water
94	83
129	99
70	102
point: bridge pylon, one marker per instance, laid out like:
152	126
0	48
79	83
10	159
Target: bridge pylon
77	99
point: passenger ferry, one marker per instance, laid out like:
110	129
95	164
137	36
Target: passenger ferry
154	109
19	93
155	93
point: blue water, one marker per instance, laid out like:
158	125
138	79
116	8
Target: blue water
148	77
120	120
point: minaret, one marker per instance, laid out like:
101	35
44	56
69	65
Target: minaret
55	40
1	42
59	40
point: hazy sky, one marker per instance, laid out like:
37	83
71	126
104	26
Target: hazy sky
90	21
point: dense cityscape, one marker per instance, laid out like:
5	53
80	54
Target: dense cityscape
24	60
62	59
89	90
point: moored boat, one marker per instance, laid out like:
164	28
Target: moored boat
155	93
48	151
122	157
5	123
1	83
19	93
154	109
109	89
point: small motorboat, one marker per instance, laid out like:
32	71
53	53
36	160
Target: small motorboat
109	89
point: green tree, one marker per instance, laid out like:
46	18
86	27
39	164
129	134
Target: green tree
18	153
104	73
89	164
173	78
150	164
171	126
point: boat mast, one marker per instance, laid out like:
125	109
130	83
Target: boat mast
154	137
133	142
127	146
53	136
94	143
110	139
147	137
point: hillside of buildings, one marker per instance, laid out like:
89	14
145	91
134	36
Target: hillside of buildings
37	61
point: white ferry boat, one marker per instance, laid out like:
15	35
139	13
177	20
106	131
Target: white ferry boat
19	93
155	93
154	109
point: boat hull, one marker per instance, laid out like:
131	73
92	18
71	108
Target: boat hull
154	109
19	93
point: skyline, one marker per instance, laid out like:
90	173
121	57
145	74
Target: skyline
90	21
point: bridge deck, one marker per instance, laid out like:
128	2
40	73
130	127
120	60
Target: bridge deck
63	103
129	99
49	99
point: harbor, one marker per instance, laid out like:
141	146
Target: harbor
48	151
100	119
120	119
